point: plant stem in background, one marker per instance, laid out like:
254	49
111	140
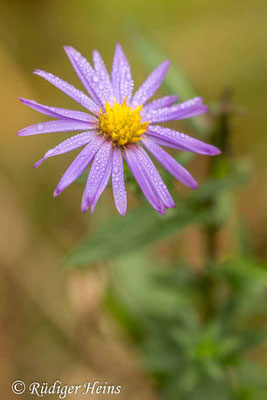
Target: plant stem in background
217	168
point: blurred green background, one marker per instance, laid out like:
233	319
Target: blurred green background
171	333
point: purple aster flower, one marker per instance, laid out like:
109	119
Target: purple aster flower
118	124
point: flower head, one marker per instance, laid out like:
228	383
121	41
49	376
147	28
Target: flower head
122	123
118	125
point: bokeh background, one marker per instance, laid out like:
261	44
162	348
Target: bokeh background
68	324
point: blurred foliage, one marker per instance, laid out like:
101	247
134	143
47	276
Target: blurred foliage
195	330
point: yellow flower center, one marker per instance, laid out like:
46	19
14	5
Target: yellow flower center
122	123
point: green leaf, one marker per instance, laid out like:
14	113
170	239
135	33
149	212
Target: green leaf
139	228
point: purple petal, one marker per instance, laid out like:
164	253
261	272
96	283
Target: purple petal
103	184
68	145
84	71
170	138
151	85
97	172
121	76
92	82
103	74
194	113
155	178
79	165
138	172
55	112
70	90
159	103
163	142
61	125
118	185
84	204
148	178
189	108
170	164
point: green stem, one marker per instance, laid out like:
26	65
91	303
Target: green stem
221	138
